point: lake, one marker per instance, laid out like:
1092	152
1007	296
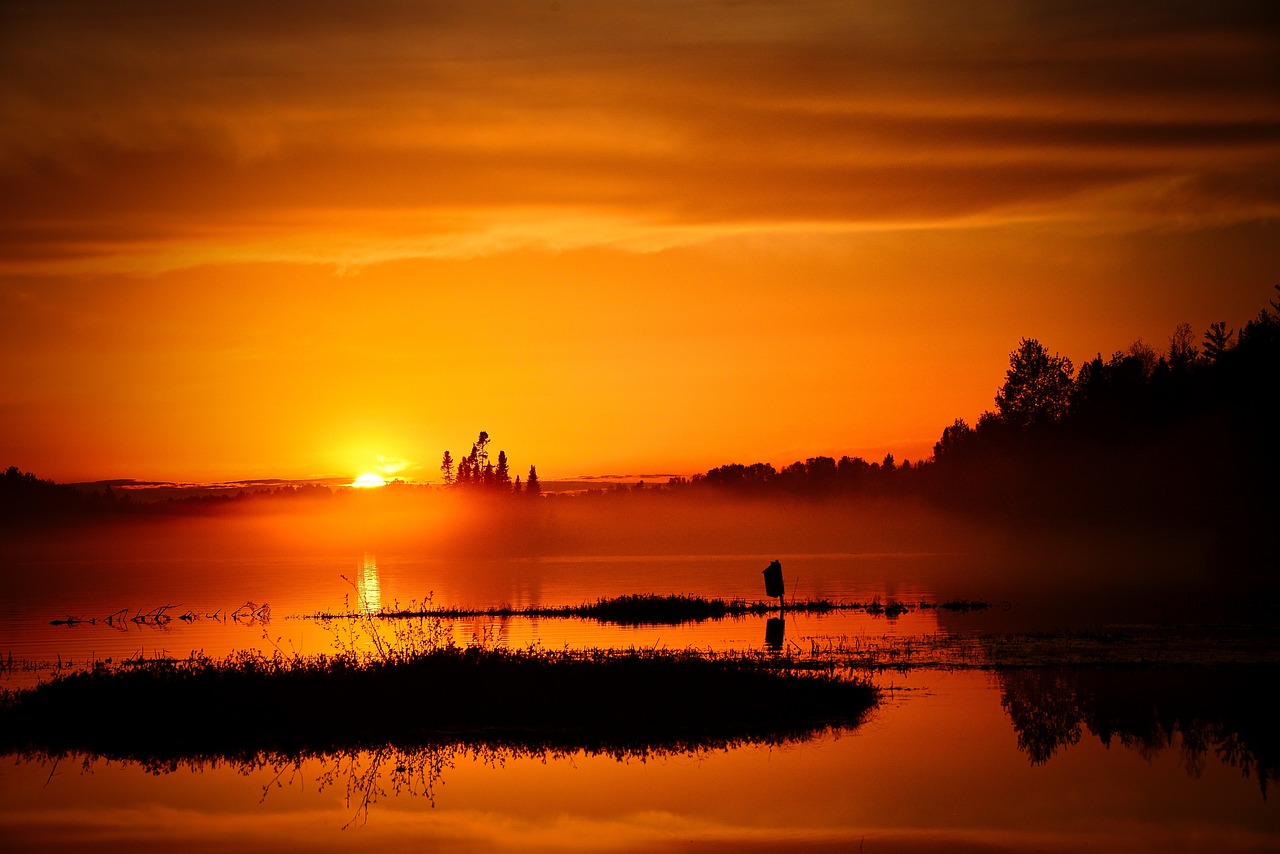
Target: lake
1176	756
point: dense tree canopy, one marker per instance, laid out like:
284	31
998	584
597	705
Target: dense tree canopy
1037	386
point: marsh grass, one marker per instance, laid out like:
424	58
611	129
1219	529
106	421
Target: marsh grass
646	609
593	699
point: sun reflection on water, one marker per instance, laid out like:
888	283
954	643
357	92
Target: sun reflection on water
370	594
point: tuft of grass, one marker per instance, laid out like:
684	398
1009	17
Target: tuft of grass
651	609
962	606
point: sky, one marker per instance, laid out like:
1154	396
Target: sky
244	239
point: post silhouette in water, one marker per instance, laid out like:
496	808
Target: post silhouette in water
775	633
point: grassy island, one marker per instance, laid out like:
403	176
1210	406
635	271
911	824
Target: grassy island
595	700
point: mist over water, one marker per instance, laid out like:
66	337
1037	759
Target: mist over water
968	555
397	548
358	552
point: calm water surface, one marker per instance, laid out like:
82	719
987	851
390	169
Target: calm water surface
964	760
223	599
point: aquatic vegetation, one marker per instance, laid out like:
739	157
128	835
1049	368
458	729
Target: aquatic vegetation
962	606
650	609
248	614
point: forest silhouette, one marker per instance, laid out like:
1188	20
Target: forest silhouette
1142	440
1181	439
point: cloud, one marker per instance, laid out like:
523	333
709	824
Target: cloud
392	466
138	136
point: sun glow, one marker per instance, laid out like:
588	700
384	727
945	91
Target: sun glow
368	481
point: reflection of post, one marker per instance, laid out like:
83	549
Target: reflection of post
774	633
368	592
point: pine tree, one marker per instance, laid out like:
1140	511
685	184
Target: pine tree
1217	340
446	468
480	453
533	488
474	471
502	474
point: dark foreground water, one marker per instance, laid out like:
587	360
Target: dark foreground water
1169	757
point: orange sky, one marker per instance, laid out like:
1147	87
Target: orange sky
321	238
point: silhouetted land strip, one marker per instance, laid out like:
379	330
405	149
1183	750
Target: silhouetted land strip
595	700
652	610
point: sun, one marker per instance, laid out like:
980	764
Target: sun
369	481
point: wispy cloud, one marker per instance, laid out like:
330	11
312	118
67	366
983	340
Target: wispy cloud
142	136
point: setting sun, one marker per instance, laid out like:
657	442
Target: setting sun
368	481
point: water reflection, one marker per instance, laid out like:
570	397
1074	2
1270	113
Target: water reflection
487	632
196	576
1228	713
368	591
366	775
938	771
775	631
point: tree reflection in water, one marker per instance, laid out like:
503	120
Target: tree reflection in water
366	775
1226	712
414	773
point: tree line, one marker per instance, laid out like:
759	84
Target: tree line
477	472
1183	434
25	498
1186	432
